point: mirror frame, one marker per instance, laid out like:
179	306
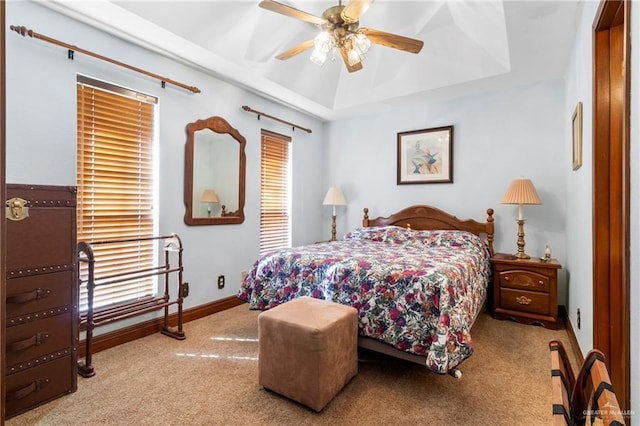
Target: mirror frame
218	125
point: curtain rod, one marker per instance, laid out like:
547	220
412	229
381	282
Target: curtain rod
24	31
293	126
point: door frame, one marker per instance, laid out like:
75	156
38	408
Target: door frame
611	191
3	116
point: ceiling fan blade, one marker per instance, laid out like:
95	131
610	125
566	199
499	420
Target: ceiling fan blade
393	40
354	10
351	68
295	50
292	12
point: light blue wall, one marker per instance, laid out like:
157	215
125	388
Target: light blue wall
497	137
41	138
579	183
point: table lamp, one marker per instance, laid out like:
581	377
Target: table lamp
209	196
334	198
520	192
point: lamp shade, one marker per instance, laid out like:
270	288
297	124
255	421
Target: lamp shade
521	191
209	196
334	197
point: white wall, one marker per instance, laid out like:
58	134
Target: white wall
41	137
497	137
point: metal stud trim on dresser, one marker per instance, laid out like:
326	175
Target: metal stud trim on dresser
36	316
38	361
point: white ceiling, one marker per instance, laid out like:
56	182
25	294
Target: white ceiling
469	46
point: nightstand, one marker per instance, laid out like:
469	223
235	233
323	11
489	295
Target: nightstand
526	290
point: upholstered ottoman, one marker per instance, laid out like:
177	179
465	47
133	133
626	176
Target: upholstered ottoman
308	349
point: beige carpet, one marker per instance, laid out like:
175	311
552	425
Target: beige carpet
211	379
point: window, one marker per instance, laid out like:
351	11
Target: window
115	179
275	188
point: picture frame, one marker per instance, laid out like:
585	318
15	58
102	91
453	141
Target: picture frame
425	156
576	136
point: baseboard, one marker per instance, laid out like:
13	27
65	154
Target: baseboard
562	312
143	329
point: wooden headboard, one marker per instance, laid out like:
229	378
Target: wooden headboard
423	217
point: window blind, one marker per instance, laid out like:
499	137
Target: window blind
115	186
274	192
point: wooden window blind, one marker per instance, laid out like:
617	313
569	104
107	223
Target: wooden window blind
274	192
115	186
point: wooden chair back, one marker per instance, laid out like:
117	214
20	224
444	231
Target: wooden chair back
594	399
562	384
589	398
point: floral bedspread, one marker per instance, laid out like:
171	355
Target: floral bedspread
418	291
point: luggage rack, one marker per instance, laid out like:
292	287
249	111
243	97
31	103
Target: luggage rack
172	247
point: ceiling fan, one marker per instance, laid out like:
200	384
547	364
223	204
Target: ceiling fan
340	30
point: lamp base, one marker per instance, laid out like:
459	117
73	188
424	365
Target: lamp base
333	228
520	254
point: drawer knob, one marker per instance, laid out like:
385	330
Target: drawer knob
541	282
506	278
523	300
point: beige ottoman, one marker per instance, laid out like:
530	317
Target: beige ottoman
308	349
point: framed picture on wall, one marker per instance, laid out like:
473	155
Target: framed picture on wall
425	156
576	138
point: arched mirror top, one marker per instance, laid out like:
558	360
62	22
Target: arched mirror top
214	173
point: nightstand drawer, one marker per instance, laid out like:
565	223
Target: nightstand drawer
524	301
526	280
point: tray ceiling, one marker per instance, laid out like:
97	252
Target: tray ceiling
469	47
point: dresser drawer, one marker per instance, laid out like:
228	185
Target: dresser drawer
28	343
524	301
38	385
526	280
46	235
38	293
33	242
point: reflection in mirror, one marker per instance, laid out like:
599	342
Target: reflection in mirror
214	173
216	183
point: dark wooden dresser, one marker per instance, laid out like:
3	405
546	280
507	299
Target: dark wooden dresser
42	295
526	290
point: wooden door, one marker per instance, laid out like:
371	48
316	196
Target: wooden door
611	130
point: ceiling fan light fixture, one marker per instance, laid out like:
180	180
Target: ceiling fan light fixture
353	57
356	44
324	42
361	42
318	57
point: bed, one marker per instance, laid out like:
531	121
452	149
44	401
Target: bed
419	279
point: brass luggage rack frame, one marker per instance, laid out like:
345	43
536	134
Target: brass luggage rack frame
94	318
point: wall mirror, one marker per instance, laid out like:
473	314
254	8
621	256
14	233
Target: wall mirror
214	173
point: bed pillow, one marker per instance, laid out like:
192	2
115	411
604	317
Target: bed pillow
429	238
389	234
448	238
